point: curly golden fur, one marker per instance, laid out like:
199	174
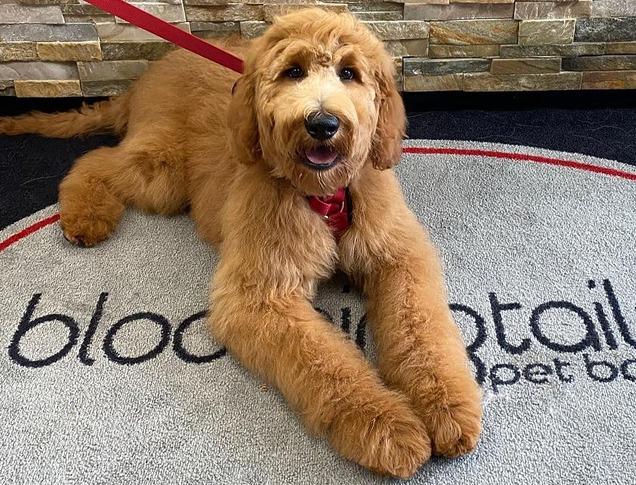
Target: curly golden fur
238	162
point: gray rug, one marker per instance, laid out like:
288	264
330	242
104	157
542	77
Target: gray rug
107	374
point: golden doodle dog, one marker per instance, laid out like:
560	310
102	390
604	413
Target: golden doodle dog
315	111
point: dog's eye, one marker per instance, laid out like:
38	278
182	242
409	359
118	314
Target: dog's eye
347	74
294	72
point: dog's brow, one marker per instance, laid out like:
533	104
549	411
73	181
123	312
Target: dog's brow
350	56
347	53
296	49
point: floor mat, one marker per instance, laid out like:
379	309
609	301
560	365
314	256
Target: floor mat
108	375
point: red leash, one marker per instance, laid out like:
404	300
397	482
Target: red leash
163	29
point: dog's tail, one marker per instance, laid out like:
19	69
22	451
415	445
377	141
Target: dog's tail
104	116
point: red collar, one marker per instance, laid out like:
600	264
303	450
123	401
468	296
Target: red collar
334	209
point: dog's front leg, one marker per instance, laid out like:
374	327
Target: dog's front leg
273	330
420	349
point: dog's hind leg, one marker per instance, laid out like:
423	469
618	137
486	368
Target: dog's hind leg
89	210
139	172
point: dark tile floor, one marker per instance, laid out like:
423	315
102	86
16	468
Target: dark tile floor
602	124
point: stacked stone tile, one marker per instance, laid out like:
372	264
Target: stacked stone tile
70	48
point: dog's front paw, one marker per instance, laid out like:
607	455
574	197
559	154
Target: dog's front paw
451	413
389	440
454	427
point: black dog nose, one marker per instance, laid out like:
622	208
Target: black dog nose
322	126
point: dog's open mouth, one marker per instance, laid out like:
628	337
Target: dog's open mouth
322	157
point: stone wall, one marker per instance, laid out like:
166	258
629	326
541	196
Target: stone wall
70	48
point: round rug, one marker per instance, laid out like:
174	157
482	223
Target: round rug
108	374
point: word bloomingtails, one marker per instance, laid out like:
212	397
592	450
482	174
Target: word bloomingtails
514	344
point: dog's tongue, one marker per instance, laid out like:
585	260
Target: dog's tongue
322	155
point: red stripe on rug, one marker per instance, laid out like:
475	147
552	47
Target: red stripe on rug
522	157
418	150
28	231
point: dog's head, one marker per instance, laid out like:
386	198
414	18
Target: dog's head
317	101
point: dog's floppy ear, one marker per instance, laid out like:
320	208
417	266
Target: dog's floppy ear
386	147
242	120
